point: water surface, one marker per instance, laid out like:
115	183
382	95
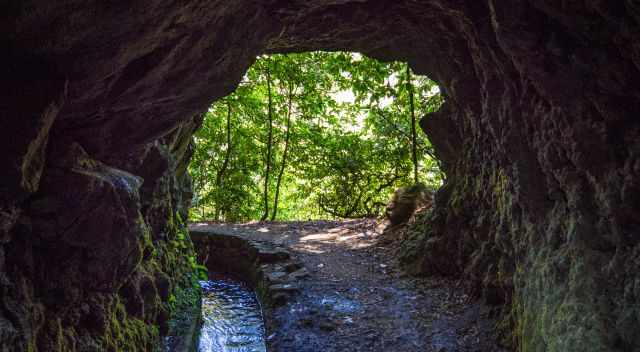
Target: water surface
232	318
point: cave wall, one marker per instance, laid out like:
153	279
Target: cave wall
539	138
540	209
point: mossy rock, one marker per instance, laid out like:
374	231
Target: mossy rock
405	201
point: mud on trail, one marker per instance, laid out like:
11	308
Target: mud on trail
357	299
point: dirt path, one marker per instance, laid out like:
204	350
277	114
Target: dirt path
356	298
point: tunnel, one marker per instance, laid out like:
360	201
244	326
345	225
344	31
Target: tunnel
539	215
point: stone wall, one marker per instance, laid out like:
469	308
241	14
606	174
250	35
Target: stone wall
539	138
269	269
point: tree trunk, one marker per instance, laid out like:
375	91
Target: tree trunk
414	141
284	154
202	171
269	142
227	157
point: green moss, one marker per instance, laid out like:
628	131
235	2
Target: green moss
175	258
412	251
183	304
62	341
129	334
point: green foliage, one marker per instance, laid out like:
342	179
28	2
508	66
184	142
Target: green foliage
200	271
345	121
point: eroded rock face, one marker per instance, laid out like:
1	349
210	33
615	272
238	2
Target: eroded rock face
539	138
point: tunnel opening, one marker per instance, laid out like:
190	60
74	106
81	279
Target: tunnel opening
321	137
316	135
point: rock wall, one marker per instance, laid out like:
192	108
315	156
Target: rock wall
540	209
96	254
539	138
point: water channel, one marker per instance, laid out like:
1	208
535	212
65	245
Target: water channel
232	318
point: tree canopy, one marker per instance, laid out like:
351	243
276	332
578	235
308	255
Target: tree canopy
313	135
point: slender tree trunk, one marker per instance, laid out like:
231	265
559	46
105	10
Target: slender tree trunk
284	154
201	203
200	183
414	141
227	157
269	142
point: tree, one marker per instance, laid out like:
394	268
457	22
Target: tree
221	172
318	134
414	142
283	164
269	145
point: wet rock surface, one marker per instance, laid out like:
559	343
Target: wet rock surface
354	298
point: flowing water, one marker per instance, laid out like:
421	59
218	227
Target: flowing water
232	318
